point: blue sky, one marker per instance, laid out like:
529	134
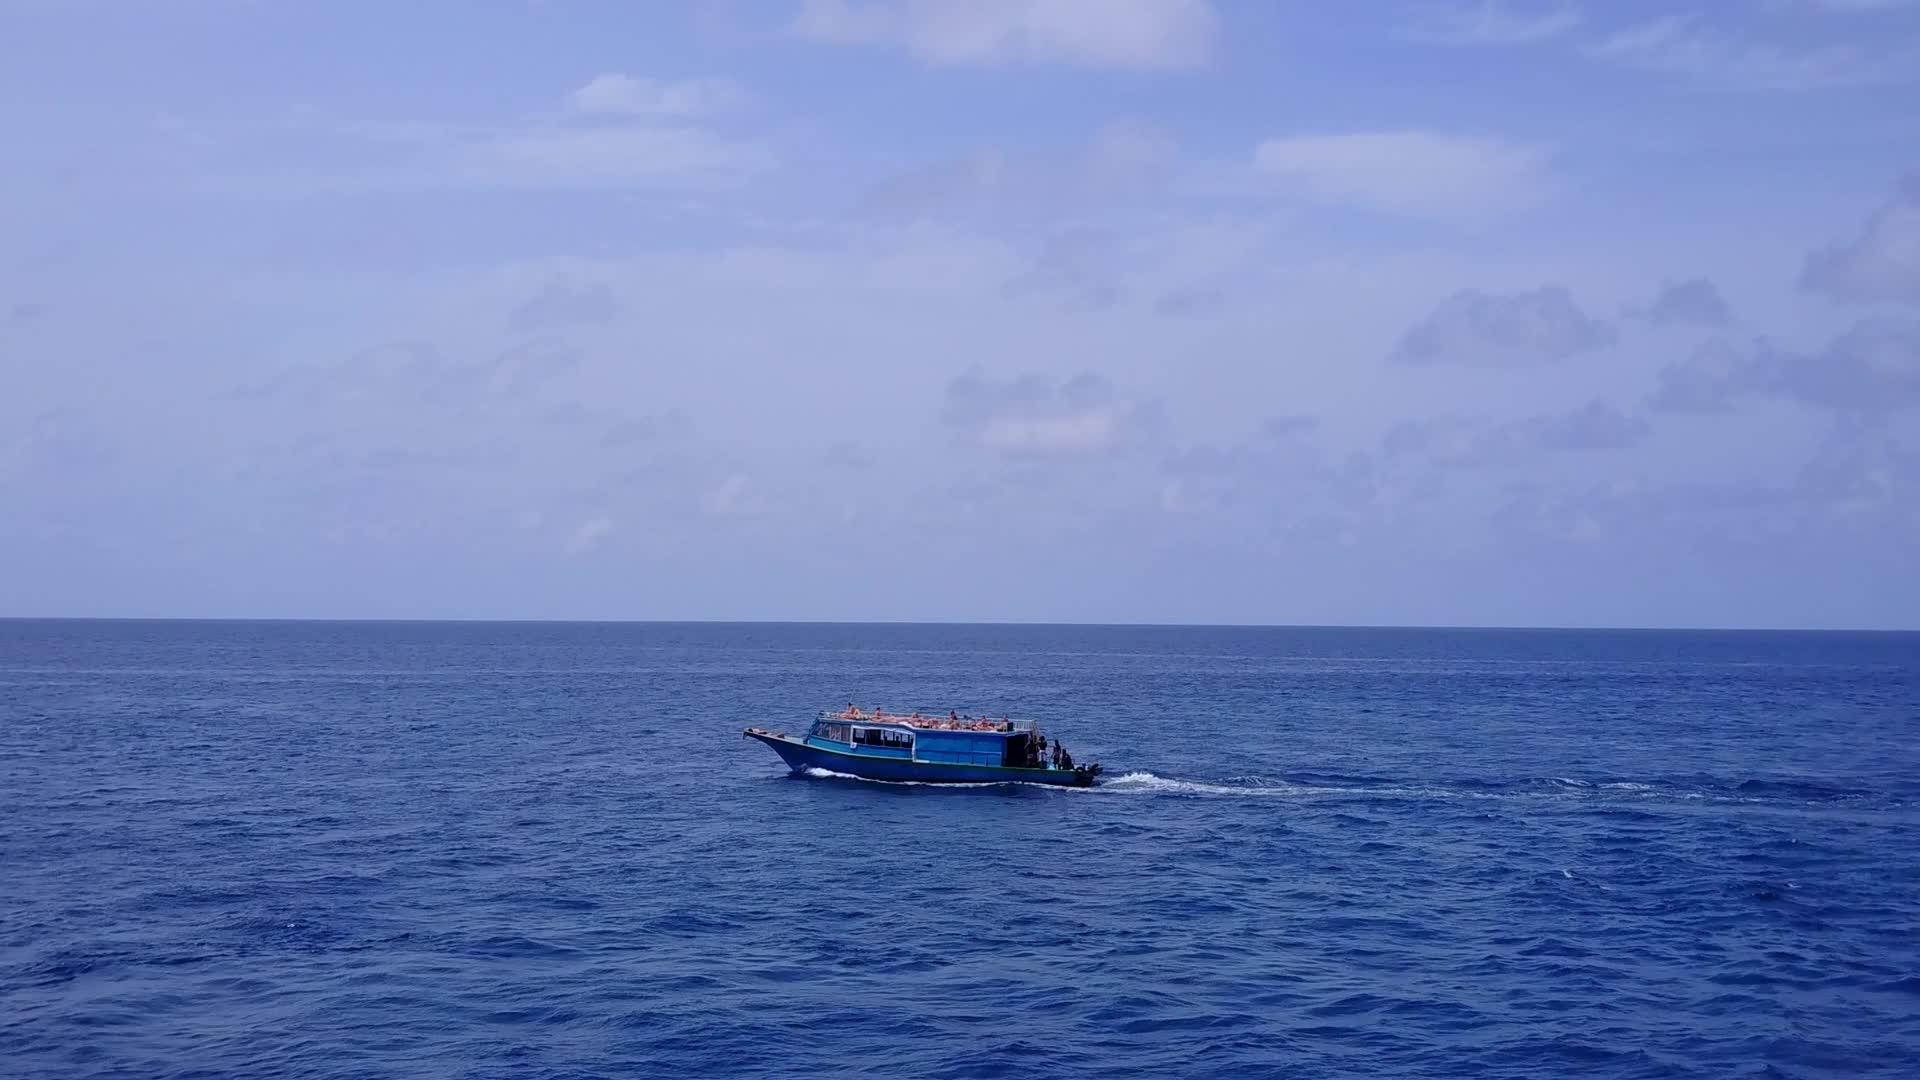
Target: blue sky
1435	311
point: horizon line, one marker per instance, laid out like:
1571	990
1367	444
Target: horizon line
1036	623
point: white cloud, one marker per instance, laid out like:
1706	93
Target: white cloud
1874	367
1459	441
594	157
1078	266
1523	329
1689	303
1412	173
588	536
632	96
416	374
1090	430
1596	425
1882	263
562	302
1138	34
1846	7
1682	45
1492	22
61	440
1034	415
733	496
1717	373
1123	159
345	156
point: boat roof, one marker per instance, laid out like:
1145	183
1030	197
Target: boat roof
953	720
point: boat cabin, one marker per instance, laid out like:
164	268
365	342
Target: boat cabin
949	740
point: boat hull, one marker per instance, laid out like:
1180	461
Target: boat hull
801	756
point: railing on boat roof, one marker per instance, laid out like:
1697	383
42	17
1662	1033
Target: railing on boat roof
932	722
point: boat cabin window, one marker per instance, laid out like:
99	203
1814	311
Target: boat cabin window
836	732
891	738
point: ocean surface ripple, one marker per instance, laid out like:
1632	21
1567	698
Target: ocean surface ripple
543	850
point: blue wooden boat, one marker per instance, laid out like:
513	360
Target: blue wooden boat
953	749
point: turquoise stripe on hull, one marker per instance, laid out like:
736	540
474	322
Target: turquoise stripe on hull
799	756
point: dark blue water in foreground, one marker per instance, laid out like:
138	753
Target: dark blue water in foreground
335	850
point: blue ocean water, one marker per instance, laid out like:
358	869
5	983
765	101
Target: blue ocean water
543	850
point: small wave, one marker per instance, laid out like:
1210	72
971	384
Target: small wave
1553	788
689	924
1908	985
814	772
818	773
1147	783
1318	786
